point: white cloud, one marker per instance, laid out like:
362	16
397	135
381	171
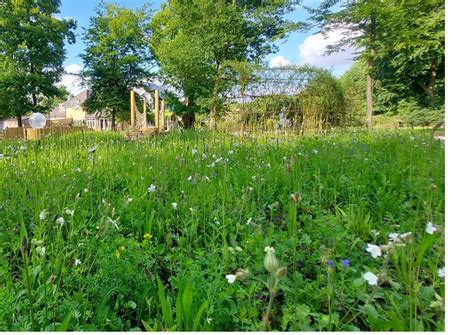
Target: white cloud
313	48
71	80
73	69
279	61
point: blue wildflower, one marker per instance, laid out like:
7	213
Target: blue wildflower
345	263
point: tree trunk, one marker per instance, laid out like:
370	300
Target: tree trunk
431	86
18	118
113	120
188	120
370	103
370	64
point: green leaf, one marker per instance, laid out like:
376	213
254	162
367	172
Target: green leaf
358	282
147	326
198	316
165	305
65	324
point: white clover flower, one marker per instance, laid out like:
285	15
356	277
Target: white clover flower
374	250
430	229
371	278
77	262
60	221
42	215
151	188
174	205
441	272
231	278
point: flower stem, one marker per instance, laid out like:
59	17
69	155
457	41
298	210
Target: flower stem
266	318
30	293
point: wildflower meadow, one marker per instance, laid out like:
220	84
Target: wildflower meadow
341	231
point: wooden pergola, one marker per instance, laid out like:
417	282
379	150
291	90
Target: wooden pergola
159	109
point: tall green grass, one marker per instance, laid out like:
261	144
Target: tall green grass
100	271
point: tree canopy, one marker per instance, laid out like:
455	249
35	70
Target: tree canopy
32	40
116	58
200	45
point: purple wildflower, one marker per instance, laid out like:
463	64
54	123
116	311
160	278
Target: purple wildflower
330	263
345	263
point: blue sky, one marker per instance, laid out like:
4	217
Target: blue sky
299	48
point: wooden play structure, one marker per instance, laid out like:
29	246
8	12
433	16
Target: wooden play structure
138	120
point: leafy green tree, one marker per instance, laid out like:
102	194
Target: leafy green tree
359	20
200	45
49	103
32	40
116	58
353	83
410	59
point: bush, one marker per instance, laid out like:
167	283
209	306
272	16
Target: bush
416	115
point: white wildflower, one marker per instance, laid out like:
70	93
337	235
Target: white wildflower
374	250
113	222
394	237
77	262
60	221
175	205
77	170
69	212
92	150
194	151
41	251
42	215
190	178
430	229
441	272
371	278
151	188
231	278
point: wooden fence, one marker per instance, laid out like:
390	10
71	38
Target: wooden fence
36	134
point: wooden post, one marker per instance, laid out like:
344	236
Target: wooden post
162	123
144	114
157	109
132	108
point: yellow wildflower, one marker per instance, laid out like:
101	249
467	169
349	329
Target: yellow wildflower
147	236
